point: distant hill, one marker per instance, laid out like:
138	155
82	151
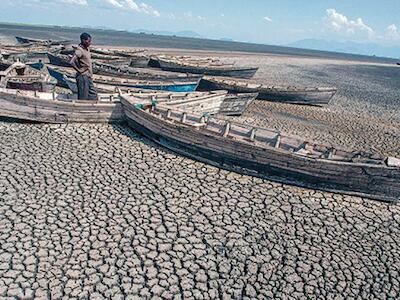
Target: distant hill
188	34
347	47
227	40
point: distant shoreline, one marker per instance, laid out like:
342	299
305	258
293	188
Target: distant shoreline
129	39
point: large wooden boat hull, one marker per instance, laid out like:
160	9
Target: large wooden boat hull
306	96
375	182
59	111
226	71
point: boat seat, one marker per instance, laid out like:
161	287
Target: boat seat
198	125
393	162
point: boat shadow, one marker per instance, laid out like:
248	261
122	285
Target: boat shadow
15	120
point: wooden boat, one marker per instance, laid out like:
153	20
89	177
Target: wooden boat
61	60
215	69
23	77
196	102
58	73
23	40
236	104
118	52
108	82
65	108
107	69
63	57
266	153
59	108
233	104
318	96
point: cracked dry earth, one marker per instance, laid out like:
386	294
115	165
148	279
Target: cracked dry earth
98	212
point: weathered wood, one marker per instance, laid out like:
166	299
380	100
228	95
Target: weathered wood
41	107
47	107
368	176
191	102
236	104
318	96
22	76
185	66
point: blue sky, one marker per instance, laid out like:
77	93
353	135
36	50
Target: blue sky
260	21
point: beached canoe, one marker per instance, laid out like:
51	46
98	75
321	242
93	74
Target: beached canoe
110	69
59	108
117	52
110	83
23	77
23	40
206	68
268	154
196	102
318	96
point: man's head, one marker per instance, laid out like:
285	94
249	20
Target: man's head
86	39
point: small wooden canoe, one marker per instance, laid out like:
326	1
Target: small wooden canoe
318	96
117	52
23	40
110	83
23	77
267	153
108	69
214	69
59	108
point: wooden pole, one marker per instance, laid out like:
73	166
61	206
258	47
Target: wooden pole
252	134
183	119
278	140
227	129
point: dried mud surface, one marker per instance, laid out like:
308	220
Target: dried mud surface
99	212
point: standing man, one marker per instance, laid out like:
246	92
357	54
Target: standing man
82	63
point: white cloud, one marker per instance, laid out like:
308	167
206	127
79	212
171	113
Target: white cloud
114	3
392	32
79	2
189	16
341	23
268	19
132	5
